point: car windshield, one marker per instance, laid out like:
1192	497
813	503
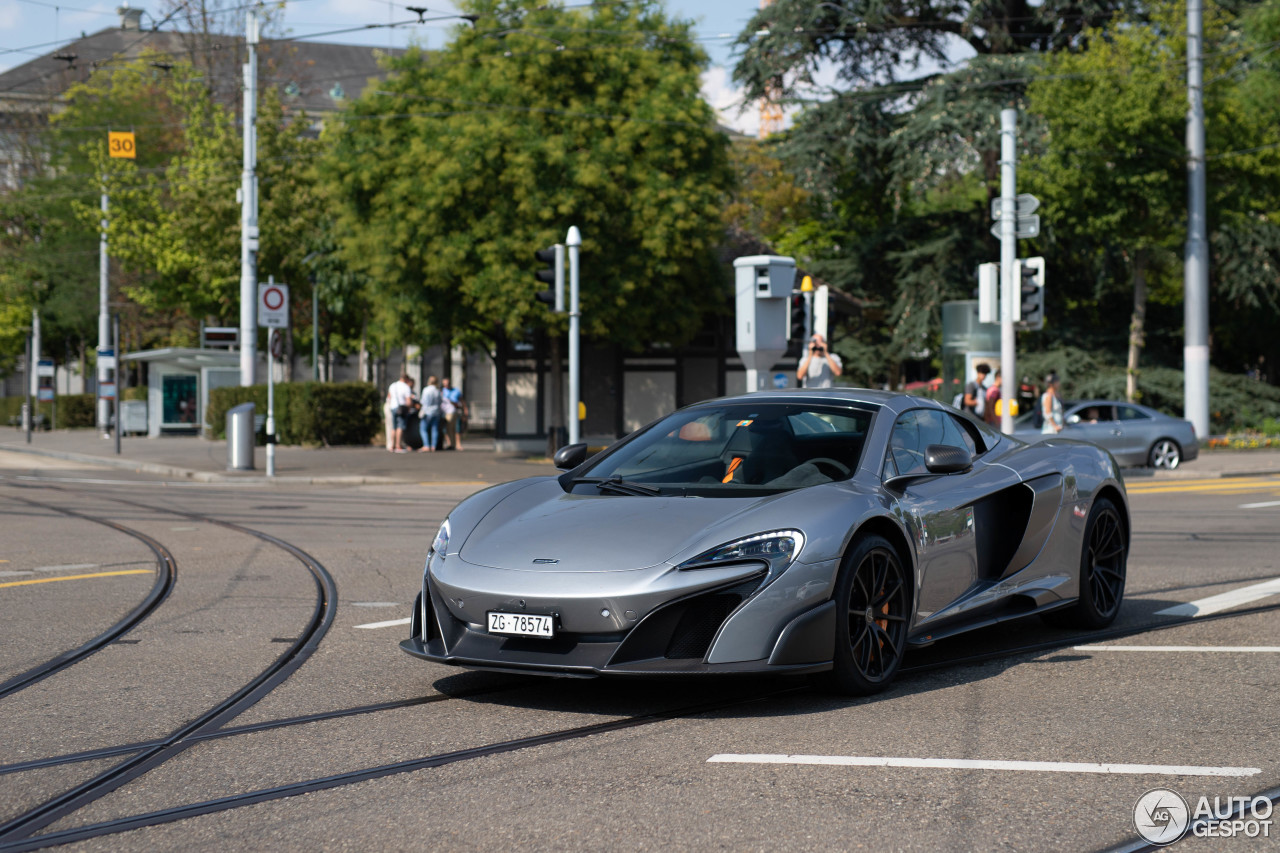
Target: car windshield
734	450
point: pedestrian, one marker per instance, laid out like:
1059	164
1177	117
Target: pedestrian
820	366
400	395
429	415
975	392
991	414
1051	406
452	409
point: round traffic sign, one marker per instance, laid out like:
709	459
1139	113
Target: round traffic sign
273	298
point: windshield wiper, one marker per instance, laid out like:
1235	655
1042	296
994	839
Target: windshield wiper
620	486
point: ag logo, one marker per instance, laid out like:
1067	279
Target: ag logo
1161	816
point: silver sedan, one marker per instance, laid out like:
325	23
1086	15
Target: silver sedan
1136	435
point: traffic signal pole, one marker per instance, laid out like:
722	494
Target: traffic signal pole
574	242
1010	275
1195	349
249	208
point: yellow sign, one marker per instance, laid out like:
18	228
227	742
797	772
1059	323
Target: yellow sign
582	411
121	144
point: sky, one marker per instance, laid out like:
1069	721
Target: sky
30	28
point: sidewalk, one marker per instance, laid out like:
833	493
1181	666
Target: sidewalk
201	460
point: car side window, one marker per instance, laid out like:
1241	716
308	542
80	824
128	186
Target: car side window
1129	413
906	445
915	430
956	435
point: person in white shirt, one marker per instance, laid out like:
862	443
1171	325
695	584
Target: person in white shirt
820	365
400	396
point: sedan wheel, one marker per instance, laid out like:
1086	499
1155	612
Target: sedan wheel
1165	453
1103	563
872	602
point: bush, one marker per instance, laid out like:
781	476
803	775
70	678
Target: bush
315	413
1235	401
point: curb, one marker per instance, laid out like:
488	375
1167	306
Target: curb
248	478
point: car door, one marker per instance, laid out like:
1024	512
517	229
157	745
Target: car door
946	513
1096	423
1138	434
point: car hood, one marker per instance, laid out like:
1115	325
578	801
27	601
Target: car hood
589	533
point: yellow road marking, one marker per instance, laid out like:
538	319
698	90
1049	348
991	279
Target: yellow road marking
1224	485
77	577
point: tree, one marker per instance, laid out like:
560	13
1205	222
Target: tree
453	171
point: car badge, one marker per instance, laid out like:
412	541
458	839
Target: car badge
543	561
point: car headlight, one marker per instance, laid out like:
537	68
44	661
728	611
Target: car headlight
777	549
440	545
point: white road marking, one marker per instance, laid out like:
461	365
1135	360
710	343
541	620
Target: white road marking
15	574
1224	601
389	624
72	567
1177	648
973	764
184	528
1260	505
375	604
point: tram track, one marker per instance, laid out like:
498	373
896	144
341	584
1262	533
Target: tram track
322	783
166	577
157	752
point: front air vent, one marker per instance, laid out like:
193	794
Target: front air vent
702	617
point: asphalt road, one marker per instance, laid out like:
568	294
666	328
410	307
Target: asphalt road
647	782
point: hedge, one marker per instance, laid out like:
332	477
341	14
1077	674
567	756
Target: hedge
74	410
315	413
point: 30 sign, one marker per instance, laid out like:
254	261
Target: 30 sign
122	144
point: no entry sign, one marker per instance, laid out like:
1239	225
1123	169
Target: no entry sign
273	306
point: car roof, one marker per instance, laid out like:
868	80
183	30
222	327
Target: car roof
895	400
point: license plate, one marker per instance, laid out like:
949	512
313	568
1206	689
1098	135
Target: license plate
521	625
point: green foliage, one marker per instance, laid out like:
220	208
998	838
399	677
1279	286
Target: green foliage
74	410
309	413
453	171
1235	402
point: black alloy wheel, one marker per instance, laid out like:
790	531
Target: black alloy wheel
873	599
1103	566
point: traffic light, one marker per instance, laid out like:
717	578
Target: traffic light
553	276
1029	306
797	328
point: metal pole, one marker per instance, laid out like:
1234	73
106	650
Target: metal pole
30	418
1195	350
1009	284
249	208
315	332
115	347
104	330
271	402
574	241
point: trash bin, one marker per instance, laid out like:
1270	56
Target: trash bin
133	416
240	437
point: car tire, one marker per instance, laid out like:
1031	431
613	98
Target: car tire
873	602
1164	454
1103	568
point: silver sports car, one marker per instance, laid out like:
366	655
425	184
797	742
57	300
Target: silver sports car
822	531
1135	435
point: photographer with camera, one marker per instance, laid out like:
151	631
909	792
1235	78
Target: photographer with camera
820	366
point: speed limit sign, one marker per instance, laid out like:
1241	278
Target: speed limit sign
273	306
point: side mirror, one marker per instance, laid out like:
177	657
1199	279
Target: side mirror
1073	419
570	456
945	459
